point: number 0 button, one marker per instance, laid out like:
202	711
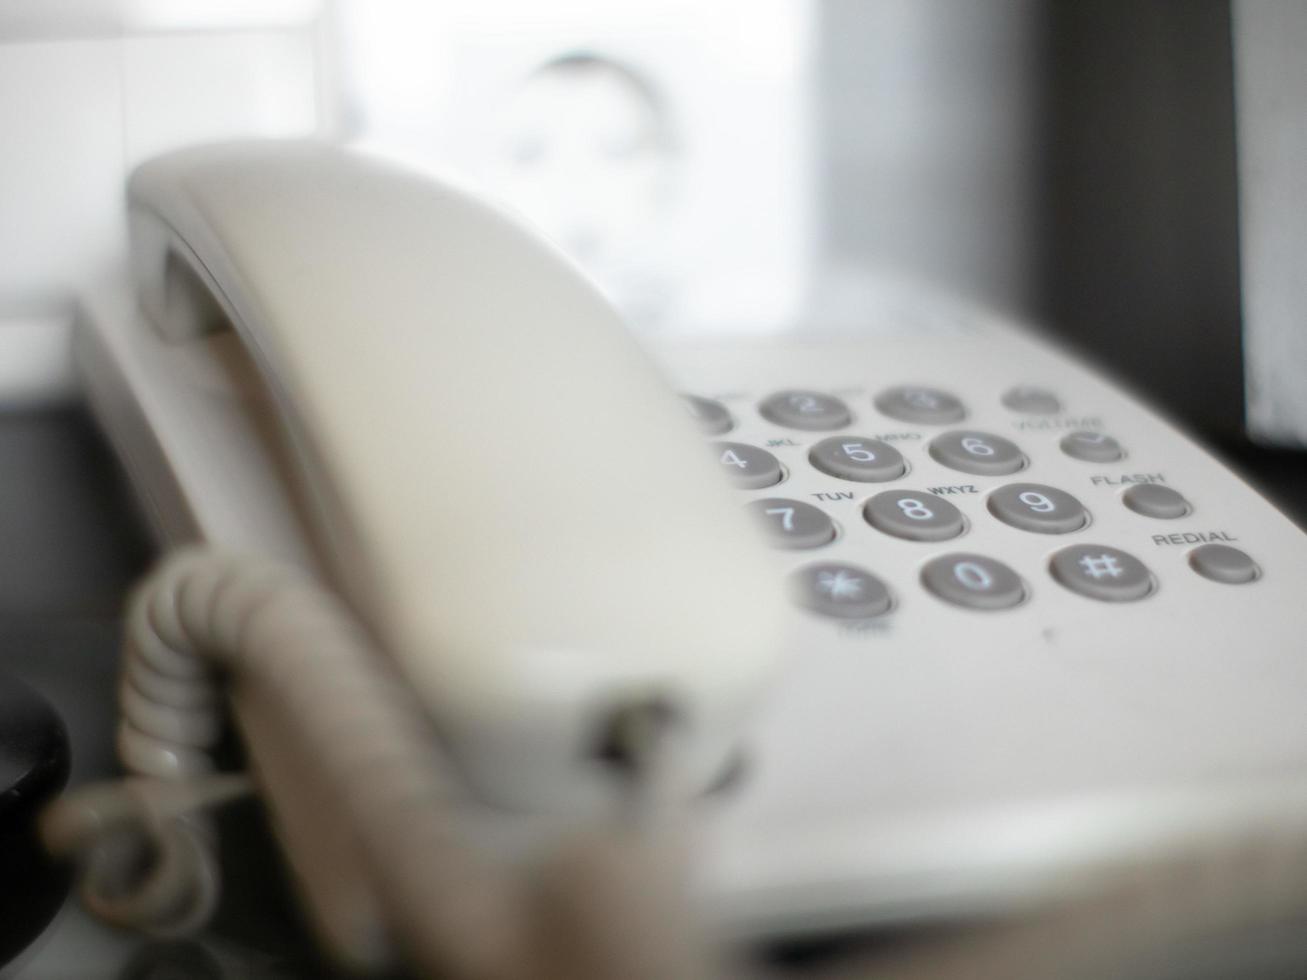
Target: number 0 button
977	452
792	523
973	581
853	458
914	516
748	467
1035	507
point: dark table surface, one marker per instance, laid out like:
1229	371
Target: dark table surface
70	548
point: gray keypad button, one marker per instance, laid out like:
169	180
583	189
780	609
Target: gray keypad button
1035	507
1093	447
805	410
855	458
1221	563
710	416
748	467
840	590
973	581
1031	400
914	403
792	523
1100	572
977	452
1155	500
916	516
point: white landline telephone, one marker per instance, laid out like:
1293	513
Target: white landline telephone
1013	627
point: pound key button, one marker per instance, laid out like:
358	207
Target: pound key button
1101	572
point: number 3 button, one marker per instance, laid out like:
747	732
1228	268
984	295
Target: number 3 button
792	523
915	516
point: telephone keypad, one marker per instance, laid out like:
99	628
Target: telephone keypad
856	458
792	523
840	590
748	467
809	410
1092	447
1039	508
969	580
973	581
915	403
981	453
914	515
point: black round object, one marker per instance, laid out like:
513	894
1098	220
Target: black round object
34	761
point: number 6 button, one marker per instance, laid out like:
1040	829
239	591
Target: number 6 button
915	516
1035	507
792	523
977	452
854	458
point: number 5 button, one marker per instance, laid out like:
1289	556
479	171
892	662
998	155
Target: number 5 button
1035	507
915	516
792	523
854	458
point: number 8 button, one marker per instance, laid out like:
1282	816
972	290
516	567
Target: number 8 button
1035	507
915	516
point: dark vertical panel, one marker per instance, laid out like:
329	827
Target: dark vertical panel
1139	264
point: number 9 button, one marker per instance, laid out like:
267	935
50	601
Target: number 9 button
1035	507
973	581
914	516
855	458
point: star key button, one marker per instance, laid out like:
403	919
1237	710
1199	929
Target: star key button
840	590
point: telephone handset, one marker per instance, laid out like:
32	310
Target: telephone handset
495	476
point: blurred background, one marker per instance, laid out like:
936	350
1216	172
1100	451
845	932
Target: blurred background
743	166
1128	174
